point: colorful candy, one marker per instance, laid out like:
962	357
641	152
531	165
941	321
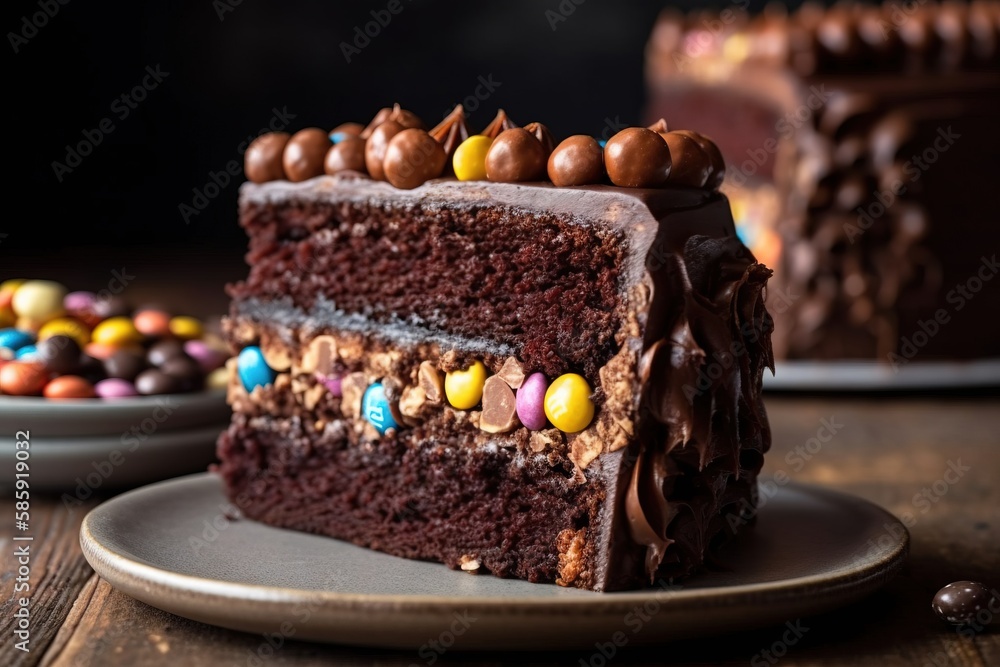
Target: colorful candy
464	389
69	386
88	339
252	369
568	404
66	326
377	410
530	401
59	354
115	388
186	328
116	331
207	357
14	339
152	323
469	161
22	378
39	300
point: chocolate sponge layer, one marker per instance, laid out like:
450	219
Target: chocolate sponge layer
440	501
536	282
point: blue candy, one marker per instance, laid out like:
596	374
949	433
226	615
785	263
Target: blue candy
337	137
15	339
26	353
602	142
376	410
253	370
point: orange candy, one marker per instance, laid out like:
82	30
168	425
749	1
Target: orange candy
153	323
22	378
69	386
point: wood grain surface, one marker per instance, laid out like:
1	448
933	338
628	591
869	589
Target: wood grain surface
894	451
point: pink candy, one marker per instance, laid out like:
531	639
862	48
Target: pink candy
207	357
530	401
115	388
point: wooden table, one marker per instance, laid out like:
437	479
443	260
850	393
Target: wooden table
888	450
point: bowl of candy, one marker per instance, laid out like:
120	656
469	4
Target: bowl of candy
97	395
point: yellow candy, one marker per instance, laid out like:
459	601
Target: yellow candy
66	326
39	300
464	389
116	331
470	158
218	379
12	284
567	403
186	328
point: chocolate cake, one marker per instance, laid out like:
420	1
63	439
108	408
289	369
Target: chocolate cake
558	383
859	140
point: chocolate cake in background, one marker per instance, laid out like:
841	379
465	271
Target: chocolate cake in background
559	383
860	141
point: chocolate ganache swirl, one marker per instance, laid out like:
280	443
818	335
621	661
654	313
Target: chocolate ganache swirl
697	409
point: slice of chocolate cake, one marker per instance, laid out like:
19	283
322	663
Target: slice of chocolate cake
559	384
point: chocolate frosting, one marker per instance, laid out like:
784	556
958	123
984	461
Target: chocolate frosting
692	403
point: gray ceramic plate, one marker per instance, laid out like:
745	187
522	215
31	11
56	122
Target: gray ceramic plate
83	446
875	376
170	545
84	417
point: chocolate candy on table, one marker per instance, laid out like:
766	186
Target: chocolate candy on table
22	378
578	160
637	158
154	381
515	156
305	153
263	160
962	601
413	157
59	354
125	365
544	137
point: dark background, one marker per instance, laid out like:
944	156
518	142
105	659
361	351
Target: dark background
227	74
